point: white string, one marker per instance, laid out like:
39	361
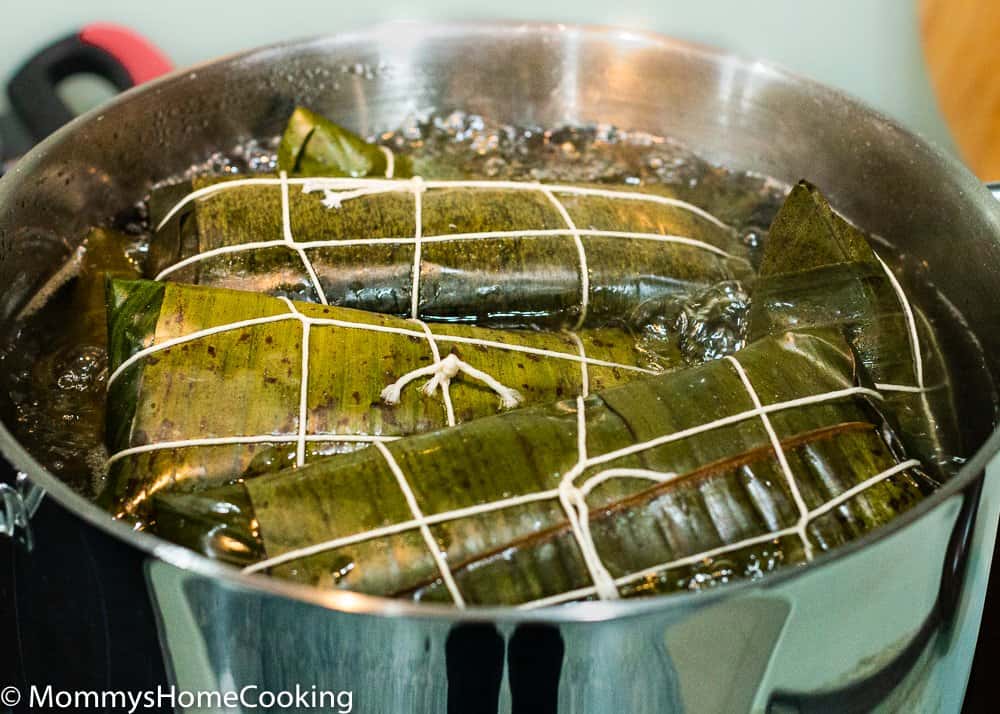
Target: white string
289	239
728	548
339	182
333	322
418	221
425	531
608	474
911	324
449	408
335	199
373	185
729	420
390	161
882	386
779	452
441	373
657	569
572	498
218	329
509	397
592	361
584	370
332	199
239	440
578	469
192	337
578	516
855	490
442	238
300	451
581	255
401	527
604	584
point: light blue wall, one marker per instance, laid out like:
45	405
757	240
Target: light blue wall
868	47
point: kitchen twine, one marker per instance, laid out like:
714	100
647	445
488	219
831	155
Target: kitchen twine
442	371
571	496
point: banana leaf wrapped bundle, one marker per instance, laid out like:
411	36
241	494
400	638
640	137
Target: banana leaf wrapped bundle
209	385
497	253
677	481
818	270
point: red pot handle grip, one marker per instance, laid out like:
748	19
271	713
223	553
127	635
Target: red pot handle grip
117	54
139	57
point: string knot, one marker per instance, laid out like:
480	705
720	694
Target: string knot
441	373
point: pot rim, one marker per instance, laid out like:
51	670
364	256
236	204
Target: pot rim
356	603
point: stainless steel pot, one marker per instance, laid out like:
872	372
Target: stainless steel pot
889	621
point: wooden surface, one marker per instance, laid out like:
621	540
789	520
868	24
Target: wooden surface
961	41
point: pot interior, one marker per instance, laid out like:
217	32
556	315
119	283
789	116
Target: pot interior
739	113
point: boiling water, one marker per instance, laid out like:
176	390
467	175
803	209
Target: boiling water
56	385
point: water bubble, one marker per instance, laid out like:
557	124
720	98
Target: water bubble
713	323
83	368
706	325
753	237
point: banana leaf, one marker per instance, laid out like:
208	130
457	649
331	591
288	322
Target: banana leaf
675	498
312	145
246	380
352	242
819	270
65	333
102	255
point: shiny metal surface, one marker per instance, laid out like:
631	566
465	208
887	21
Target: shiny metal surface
18	504
885	621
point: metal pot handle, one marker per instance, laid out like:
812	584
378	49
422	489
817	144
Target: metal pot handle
18	503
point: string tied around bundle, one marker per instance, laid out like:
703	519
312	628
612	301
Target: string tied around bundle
441	373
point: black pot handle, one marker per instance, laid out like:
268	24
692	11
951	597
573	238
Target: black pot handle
115	53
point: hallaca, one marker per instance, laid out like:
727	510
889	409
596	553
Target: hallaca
818	270
727	469
328	229
207	384
649	433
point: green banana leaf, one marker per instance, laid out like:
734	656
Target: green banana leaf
819	270
312	145
247	381
67	338
724	509
633	250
